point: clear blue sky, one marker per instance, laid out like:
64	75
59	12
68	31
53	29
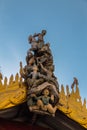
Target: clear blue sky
66	25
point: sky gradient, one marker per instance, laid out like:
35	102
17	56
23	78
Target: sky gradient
66	25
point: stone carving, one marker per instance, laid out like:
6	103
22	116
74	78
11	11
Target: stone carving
38	73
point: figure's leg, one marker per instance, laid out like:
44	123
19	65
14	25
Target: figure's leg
31	108
51	109
37	82
29	82
40	103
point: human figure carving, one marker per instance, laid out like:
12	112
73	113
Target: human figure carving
39	74
43	102
49	76
33	42
40	39
34	78
75	82
30	58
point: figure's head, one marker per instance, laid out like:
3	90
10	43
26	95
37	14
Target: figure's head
35	68
46	92
29	53
43	32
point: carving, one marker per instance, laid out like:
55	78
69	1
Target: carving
38	74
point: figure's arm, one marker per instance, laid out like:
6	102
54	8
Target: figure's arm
52	98
40	97
36	34
48	72
43	68
29	75
33	95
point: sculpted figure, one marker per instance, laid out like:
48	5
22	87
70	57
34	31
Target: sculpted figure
43	102
33	42
75	82
49	76
34	78
38	75
37	43
30	60
40	39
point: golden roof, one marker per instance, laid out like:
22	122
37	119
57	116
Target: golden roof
13	92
